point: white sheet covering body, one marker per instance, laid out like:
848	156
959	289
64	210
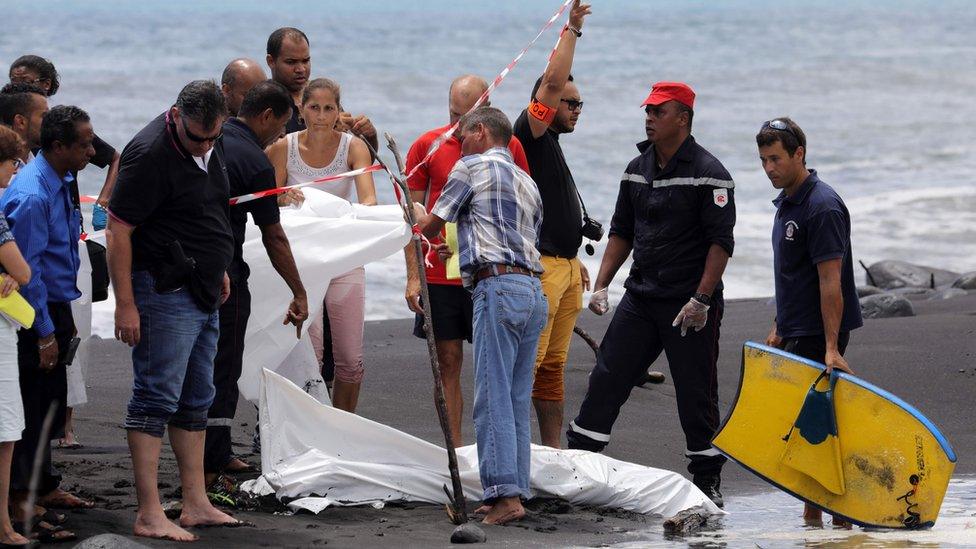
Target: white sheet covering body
328	236
329	457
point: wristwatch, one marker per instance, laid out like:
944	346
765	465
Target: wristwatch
575	31
704	299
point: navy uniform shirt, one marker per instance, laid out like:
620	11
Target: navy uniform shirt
248	171
672	216
811	227
166	196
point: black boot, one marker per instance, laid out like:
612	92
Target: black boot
710	485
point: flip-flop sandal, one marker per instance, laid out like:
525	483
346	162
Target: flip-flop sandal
45	532
77	503
73	446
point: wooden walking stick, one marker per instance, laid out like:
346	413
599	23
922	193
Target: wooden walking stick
465	532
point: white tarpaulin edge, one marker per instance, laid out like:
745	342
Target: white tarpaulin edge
326	456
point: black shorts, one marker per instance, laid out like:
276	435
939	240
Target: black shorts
814	347
450	313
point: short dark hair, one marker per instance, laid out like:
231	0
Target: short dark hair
61	124
278	36
494	120
45	70
11	145
266	95
538	84
15	98
202	102
791	140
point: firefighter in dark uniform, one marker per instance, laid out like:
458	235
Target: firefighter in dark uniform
675	212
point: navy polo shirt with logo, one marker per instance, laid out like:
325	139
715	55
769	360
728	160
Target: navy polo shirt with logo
811	227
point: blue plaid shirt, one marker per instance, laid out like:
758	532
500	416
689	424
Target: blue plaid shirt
498	210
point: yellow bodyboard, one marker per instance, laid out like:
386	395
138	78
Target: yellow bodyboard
15	308
895	464
453	264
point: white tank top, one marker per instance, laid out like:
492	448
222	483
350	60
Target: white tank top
300	172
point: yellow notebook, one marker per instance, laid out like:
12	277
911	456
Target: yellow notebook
16	309
453	264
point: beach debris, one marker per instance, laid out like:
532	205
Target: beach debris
886	305
110	541
686	521
468	532
966	282
864	291
890	274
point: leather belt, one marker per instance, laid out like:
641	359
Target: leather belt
498	269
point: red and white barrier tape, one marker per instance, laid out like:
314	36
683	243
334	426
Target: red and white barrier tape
491	87
279	190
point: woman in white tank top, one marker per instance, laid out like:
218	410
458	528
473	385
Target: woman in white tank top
321	150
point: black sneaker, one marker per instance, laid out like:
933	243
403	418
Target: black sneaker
710	485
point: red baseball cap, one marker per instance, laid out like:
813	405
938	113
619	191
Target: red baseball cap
662	92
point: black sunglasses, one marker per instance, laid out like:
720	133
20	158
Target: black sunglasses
779	125
198	138
573	104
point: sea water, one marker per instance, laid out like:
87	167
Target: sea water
883	91
774	519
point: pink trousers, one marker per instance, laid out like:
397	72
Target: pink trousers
345	301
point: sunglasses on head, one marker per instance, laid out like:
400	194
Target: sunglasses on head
779	125
198	138
573	104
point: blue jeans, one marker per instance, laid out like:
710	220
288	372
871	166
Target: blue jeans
173	363
509	314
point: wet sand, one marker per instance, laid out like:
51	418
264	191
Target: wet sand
929	360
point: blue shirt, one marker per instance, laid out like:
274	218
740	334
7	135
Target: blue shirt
498	211
811	227
46	226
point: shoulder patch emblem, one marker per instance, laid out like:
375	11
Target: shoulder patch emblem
720	197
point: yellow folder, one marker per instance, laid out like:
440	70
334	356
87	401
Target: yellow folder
453	264
16	309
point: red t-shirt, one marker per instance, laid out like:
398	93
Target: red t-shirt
433	175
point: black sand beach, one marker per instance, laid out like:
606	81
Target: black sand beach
929	360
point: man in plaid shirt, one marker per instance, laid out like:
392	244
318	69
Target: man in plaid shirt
498	211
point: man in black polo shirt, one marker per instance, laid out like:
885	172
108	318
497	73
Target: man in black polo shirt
816	300
169	247
554	109
261	119
675	211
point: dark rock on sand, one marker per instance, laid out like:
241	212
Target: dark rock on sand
948	293
886	306
890	274
109	541
864	291
967	281
468	532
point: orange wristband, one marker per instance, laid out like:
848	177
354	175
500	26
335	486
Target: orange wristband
541	111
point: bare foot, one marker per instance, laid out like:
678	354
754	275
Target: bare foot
59	499
505	510
237	465
160	528
207	515
812	516
483	510
9	537
840	523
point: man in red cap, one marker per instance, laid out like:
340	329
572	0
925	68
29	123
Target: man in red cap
675	212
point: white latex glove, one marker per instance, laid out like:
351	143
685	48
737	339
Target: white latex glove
600	302
693	315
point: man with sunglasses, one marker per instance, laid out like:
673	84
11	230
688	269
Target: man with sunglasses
554	108
169	246
816	299
675	212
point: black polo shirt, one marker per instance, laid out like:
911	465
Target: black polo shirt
672	216
248	171
167	196
562	217
811	227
